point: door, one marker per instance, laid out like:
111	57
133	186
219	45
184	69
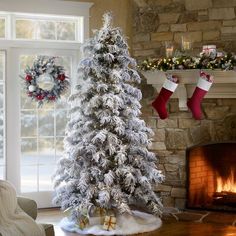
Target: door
36	133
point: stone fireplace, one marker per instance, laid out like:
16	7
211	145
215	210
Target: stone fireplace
179	132
211	176
167	20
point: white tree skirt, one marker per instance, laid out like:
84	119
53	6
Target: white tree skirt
139	222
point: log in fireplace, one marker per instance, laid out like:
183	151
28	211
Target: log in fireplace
211	175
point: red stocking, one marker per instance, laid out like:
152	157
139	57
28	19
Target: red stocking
194	103
160	102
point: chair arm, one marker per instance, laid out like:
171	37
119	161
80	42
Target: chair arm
29	206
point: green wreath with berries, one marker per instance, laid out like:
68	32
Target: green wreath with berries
45	81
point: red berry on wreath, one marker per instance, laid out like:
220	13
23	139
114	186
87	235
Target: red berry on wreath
61	77
28	78
52	97
40	97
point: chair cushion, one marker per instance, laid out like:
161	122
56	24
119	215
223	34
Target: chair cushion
29	206
49	230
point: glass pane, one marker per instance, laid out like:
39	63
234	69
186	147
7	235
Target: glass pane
45	177
59	147
40	29
46	150
66	63
2	27
26	60
2	65
1	125
28	179
28	123
46	30
27	102
2	172
2	162
25	29
66	31
1	128
29	151
49	106
61	120
62	103
46	123
42	132
1	96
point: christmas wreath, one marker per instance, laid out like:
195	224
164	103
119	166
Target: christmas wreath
45	81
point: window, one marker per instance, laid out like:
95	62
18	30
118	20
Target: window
2	27
42	134
41	27
31	138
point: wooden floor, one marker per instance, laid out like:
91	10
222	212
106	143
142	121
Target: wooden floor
53	216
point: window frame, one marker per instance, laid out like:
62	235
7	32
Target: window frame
3	83
11	18
13	49
5	30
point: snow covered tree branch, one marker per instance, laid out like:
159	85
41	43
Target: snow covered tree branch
106	161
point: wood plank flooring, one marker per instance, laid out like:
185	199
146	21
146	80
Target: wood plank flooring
182	228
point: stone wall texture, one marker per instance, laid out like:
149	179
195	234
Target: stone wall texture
180	131
207	22
204	21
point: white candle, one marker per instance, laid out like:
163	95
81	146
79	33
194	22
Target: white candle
186	43
169	48
169	51
186	46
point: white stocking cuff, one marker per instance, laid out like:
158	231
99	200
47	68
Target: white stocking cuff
169	85
204	84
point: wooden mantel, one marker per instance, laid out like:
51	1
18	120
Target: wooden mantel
224	84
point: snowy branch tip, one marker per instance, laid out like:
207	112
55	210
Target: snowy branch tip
107	19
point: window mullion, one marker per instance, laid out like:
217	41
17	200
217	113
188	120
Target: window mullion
9	27
56	26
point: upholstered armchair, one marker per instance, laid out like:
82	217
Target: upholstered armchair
30	207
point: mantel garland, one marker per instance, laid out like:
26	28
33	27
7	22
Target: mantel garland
226	62
52	77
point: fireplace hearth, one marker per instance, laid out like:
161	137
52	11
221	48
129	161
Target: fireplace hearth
211	175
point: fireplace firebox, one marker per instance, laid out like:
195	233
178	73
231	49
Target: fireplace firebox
211	175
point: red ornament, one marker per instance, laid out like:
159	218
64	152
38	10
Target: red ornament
40	97
52	97
28	78
61	77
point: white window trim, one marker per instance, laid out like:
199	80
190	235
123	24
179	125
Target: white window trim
77	20
5	44
52	7
12	17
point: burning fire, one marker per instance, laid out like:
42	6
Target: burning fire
226	185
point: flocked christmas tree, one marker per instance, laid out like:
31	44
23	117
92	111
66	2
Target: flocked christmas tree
106	163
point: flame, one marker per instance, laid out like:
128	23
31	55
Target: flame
226	185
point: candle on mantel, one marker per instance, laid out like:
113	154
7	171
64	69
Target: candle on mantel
186	46
169	52
169	49
186	43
